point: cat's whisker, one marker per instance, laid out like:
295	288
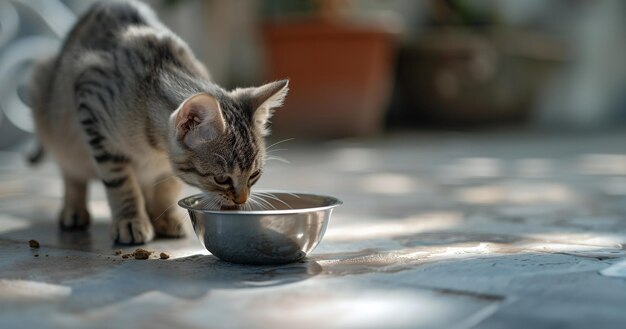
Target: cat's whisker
215	204
278	191
259	204
166	179
263	206
248	205
205	203
273	197
269	204
203	199
164	211
208	201
184	217
253	200
275	150
279	142
275	158
256	204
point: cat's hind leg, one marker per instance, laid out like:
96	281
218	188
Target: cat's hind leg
74	215
167	218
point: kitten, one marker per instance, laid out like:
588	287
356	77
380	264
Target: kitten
125	101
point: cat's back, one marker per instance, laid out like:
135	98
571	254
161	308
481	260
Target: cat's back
127	36
91	42
100	28
119	45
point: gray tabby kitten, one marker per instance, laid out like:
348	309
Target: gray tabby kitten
126	101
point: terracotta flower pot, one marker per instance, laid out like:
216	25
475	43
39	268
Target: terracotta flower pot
340	77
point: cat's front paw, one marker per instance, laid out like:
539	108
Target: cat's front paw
74	219
169	225
132	231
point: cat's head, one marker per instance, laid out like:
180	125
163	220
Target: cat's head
217	141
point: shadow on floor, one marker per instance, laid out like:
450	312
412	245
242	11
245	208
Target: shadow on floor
83	261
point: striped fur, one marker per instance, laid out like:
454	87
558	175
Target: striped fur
109	107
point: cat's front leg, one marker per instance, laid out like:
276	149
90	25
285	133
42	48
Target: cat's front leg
131	224
94	99
167	217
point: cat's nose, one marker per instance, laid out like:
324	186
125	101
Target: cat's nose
241	197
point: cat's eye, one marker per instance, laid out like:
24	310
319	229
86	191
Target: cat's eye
254	177
222	180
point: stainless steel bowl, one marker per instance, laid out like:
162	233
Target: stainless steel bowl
292	227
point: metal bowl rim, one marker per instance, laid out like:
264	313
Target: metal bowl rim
334	203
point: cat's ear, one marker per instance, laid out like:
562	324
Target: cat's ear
198	120
264	99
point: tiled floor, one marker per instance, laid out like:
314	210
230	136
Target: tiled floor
516	230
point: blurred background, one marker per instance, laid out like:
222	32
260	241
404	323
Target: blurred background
373	67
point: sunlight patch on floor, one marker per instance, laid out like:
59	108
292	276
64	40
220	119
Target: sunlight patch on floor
467	168
391	228
534	168
353	305
590	238
515	193
394	310
10	223
615	186
356	159
481	248
602	164
31	291
99	208
388	183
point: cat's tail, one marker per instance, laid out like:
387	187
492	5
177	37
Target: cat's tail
36	156
37	94
36	97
